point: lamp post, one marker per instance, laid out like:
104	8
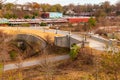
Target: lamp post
57	30
83	40
85	36
69	34
43	29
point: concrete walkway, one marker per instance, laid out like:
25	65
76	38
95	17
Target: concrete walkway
34	62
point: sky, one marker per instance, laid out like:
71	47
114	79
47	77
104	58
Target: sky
64	2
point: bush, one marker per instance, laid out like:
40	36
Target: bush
1	68
43	24
101	32
27	17
85	56
74	51
110	64
25	25
13	54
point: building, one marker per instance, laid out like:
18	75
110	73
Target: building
20	22
78	19
55	15
70	13
52	15
4	22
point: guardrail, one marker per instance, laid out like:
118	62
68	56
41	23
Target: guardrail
98	38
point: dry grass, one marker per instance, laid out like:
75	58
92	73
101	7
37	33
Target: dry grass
64	70
15	31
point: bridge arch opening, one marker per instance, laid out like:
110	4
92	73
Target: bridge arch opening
29	45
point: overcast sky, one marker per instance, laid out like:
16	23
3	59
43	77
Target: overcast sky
64	2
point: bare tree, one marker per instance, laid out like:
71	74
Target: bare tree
19	67
47	67
4	40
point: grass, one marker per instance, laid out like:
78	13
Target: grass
56	51
34	73
62	70
15	31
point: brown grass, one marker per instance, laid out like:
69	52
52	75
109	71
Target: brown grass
64	70
15	31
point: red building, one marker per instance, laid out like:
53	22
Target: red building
45	15
78	19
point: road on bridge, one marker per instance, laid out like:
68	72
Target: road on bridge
92	43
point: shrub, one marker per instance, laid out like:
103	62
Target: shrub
13	54
110	64
1	68
27	17
25	25
101	32
85	56
74	51
43	24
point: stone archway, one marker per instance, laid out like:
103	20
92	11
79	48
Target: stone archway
30	45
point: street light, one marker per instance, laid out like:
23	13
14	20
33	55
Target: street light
85	37
83	40
57	30
43	29
69	34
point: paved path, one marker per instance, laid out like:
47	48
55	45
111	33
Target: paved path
34	62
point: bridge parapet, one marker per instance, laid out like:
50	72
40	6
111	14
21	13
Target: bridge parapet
68	41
